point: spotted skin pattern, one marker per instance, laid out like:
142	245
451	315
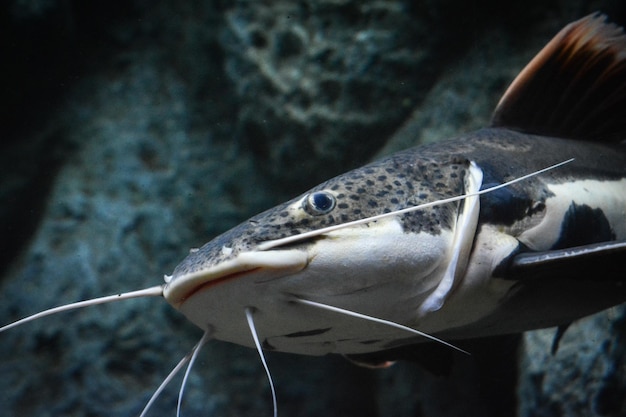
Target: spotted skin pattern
401	180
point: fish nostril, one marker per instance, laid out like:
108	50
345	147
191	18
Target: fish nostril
251	310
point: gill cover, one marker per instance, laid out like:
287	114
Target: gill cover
463	238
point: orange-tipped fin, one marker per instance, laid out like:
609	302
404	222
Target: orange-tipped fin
575	87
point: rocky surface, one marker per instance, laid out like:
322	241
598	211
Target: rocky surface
331	74
586	377
133	132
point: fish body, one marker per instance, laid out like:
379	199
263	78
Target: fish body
453	270
392	266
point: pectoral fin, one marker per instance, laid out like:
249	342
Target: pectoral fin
594	262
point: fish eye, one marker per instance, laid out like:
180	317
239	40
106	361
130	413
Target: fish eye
319	202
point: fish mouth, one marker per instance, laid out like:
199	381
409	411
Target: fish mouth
260	264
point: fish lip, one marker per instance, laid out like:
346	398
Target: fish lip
277	262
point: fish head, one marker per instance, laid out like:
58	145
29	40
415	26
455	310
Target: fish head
384	268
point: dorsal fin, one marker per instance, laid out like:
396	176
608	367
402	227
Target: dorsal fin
574	88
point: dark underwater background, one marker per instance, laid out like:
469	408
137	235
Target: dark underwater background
133	131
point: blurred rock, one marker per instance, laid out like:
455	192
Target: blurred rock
587	375
331	80
322	81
